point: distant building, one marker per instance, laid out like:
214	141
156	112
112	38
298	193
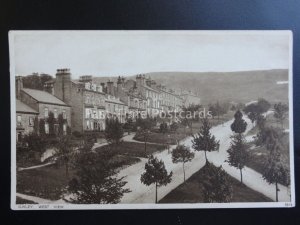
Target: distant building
43	103
189	98
116	108
169	99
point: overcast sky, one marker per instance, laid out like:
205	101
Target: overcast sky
111	53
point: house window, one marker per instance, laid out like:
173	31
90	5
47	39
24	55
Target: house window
87	99
31	121
46	128
101	114
65	129
56	128
96	125
95	114
55	113
19	120
46	112
64	114
92	125
87	113
87	125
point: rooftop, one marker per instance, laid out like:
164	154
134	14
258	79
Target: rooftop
22	107
43	96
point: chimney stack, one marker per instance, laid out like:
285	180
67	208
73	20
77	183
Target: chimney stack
110	88
62	85
19	86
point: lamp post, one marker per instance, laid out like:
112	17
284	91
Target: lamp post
168	143
146	133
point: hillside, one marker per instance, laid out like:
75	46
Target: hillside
232	86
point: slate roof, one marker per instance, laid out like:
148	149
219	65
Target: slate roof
114	100
43	97
22	107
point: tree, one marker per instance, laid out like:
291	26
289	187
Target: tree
252	111
35	142
42	127
36	81
51	121
216	184
96	181
238	155
274	169
280	112
182	154
163	128
263	105
239	125
145	127
36	125
267	136
174	127
213	110
113	131
204	140
156	173
61	121
128	124
64	151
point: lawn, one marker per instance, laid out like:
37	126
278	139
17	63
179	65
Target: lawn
191	192
259	155
133	149
24	201
50	181
181	133
44	182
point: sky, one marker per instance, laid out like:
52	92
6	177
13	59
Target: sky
113	53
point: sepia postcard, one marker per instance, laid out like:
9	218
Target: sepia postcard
151	119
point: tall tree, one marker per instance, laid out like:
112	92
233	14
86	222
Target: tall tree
96	181
238	155
113	131
51	121
36	81
65	152
42	127
274	169
280	112
61	122
182	154
156	173
263	105
145	127
36	125
204	140
267	136
35	142
163	128
216	184
252	111
239	125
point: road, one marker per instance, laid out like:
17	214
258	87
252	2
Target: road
146	194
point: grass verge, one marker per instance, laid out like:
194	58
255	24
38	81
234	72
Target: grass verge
192	191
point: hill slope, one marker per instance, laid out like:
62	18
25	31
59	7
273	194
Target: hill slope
232	86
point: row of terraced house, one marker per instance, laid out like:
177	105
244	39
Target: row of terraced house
85	104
